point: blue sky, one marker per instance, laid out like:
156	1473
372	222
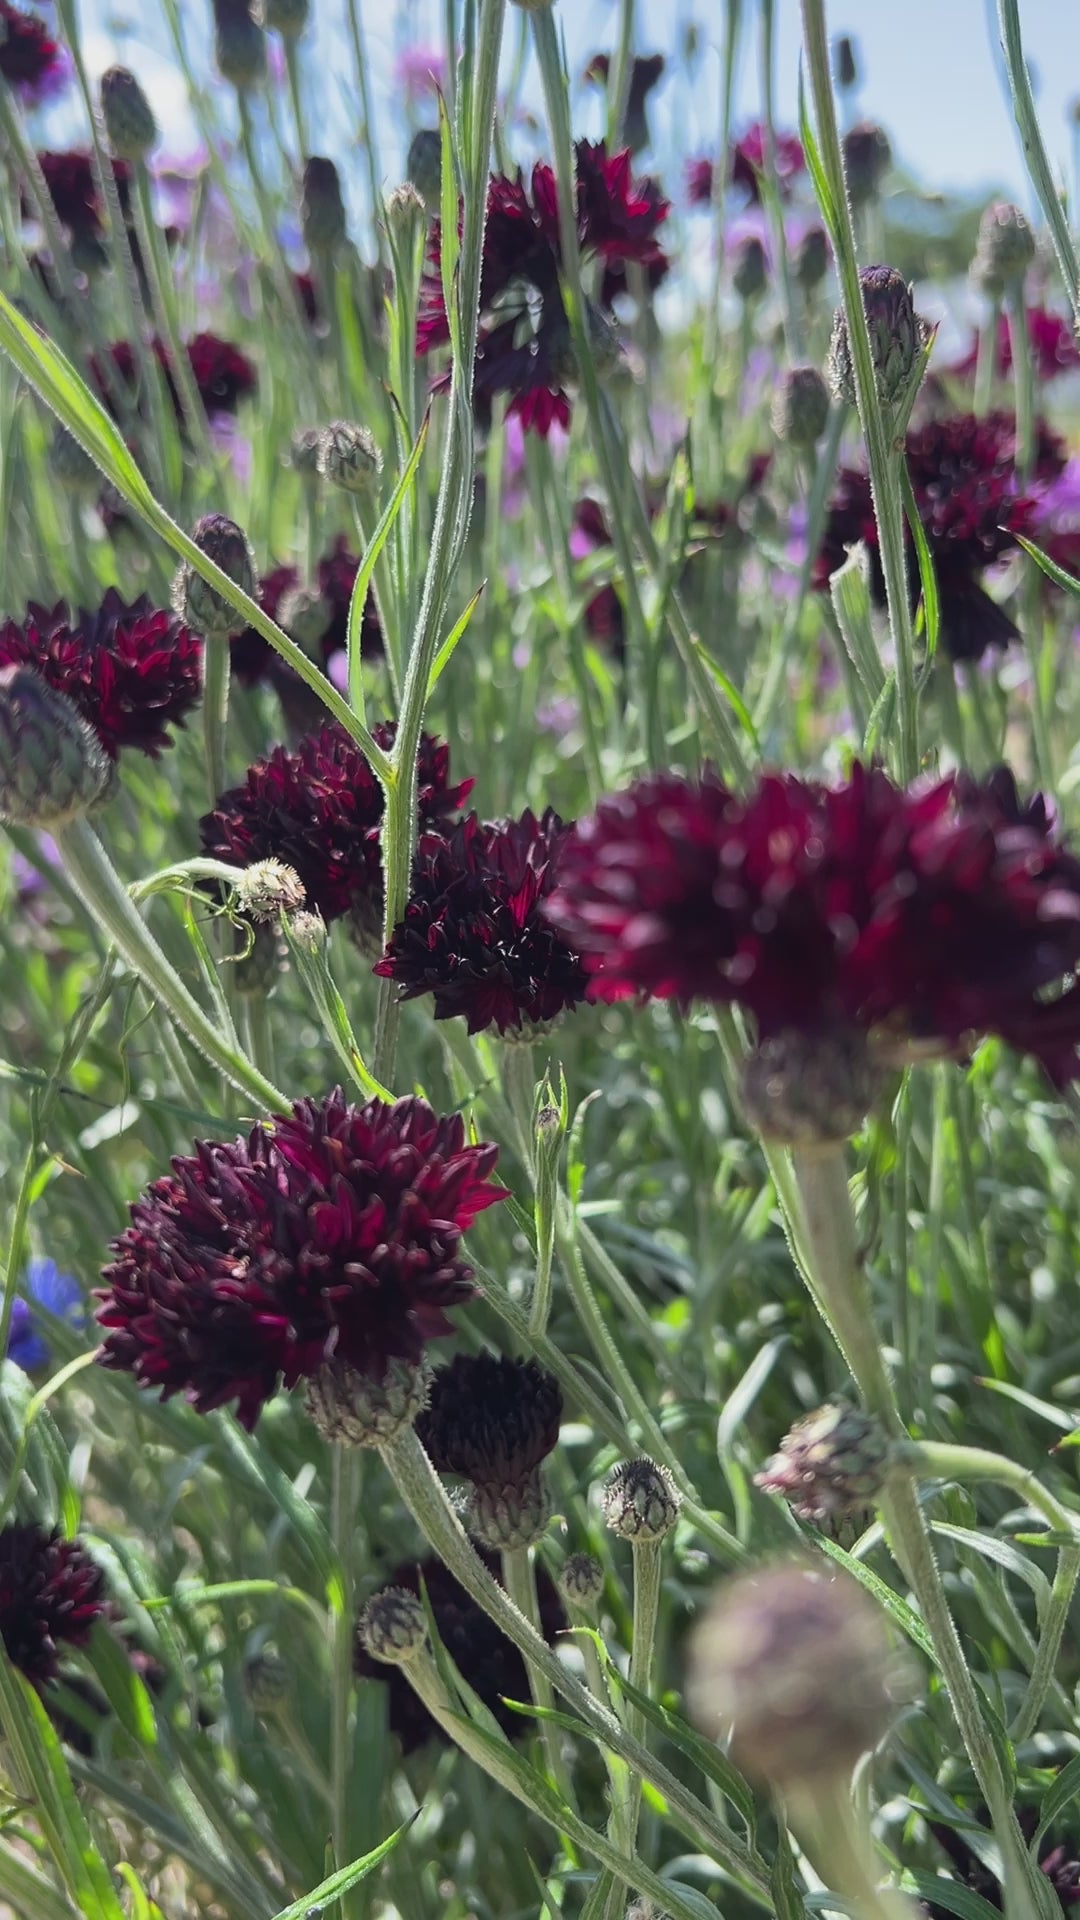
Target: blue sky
931	71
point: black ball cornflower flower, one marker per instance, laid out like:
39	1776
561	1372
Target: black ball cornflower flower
51	1593
493	1421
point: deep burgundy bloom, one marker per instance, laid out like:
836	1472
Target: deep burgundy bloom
748	161
223	375
51	1592
1059	1864
254	659
69	177
132	671
604	618
333	1233
700	175
931	915
963	472
488	1662
646	70
31	60
1051	342
490	1419
320	808
524	347
474	934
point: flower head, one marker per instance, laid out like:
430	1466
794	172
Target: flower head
51	1592
223	374
31	60
131	671
474	933
488	1662
832	1464
73	191
749	162
1051	344
523	347
319	808
334	1233
490	1419
928	916
963	474
58	1294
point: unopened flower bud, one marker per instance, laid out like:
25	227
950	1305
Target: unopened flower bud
239	44
792	1664
641	1501
393	1626
199	605
287	17
268	888
72	467
810	1089
897	337
128	115
509	1517
581	1584
304	451
322	209
349	1406
268	1684
53	767
307	931
810	261
750	273
423	167
867	159
406	214
845	63
1005	248
305	616
800	409
349	457
831	1465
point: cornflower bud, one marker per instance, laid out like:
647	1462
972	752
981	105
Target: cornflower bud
347	1406
406	214
641	1501
810	261
305	615
308	931
897	337
198	604
304	451
239	44
831	1465
322	209
349	457
800	409
810	1089
1005	248
581	1584
423	167
128	115
867	159
845	64
393	1626
750	274
53	767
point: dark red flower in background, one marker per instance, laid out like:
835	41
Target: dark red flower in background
223	375
132	671
524	346
491	1419
73	191
930	915
747	165
646	70
971	504
488	1662
604	617
51	1593
31	60
1051	343
319	808
254	659
332	1233
474	934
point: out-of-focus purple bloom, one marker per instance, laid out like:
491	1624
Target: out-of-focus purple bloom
55	1295
28	878
226	438
420	72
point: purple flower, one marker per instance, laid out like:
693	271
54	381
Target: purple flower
46	1292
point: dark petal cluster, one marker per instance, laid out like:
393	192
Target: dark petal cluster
333	1233
474	933
223	374
932	915
132	671
523	347
963	473
51	1593
319	808
1058	1863
749	161
1051	344
254	659
491	1419
73	191
488	1662
604	618
31	60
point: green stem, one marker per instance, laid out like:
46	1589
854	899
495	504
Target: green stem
216	662
840	1847
427	1501
1038	165
344	1491
648	1561
823	468
94	878
519	1579
366	130
292	69
986	360
163	299
883	458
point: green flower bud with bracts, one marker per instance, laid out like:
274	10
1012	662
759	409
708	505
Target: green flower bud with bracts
128	116
322	209
239	44
393	1626
897	337
1005	249
53	767
349	457
641	1501
800	409
832	1464
287	17
810	1089
360	1411
200	605
867	159
581	1583
750	275
269	888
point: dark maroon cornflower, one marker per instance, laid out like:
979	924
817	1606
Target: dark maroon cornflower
319	808
223	375
488	1662
604	618
931	916
645	72
69	177
524	344
474	934
307	295
1051	343
749	163
963	473
132	671
51	1593
254	659
31	61
700	178
1061	1868
490	1419
332	1233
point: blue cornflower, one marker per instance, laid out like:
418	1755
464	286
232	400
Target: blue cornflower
59	1297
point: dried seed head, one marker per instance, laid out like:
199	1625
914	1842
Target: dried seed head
128	115
1005	248
800	409
581	1583
267	889
810	1089
349	457
831	1466
53	767
322	209
345	1405
867	159
793	1664
198	604
641	1501
393	1626
897	337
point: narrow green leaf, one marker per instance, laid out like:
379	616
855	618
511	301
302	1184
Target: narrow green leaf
42	1772
1065	1789
123	1688
731	694
927	577
950	1895
446	651
366	570
1050	567
338	1883
905	1616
